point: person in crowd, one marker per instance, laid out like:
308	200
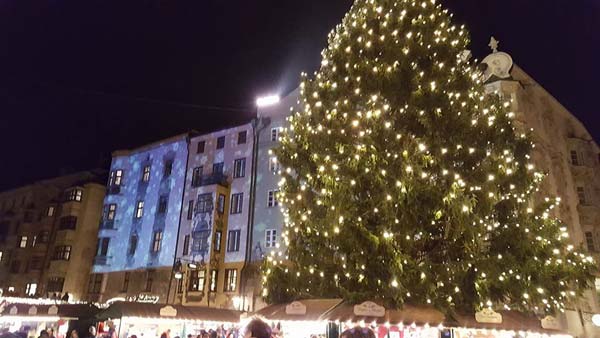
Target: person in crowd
112	332
133	336
51	333
91	332
74	334
44	334
189	336
257	329
358	332
163	335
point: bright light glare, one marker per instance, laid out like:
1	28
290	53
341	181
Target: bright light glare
267	100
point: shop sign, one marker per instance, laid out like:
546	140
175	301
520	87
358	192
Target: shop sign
550	323
143	298
168	311
295	308
13	310
32	310
369	309
488	316
53	310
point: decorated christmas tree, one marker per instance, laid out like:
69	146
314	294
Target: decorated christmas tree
404	182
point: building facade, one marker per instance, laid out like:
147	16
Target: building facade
137	238
48	235
566	152
213	238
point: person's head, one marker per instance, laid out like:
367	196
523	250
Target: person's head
189	336
133	336
257	329
92	330
74	334
358	332
44	334
163	335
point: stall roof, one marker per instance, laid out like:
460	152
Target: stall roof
147	310
408	314
511	320
73	311
315	308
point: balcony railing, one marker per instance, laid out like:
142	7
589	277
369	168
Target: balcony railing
107	225
214	178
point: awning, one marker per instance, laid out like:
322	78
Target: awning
511	321
176	312
64	311
307	310
407	315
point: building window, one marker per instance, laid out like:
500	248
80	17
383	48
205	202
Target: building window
133	242
102	249
242	137
233	241
221	142
115	178
139	209
157	241
149	281
221	204
95	285
272	198
239	168
162	204
274	134
50	211
68	223
168	168
110	212
218	168
146	174
126	282
218	235
214	279
237	200
43	236
589	240
74	195
22	242
62	253
200	148
196	176
230	280
186	245
1	254
581	195
180	285
270	238
28	217
33	241
197	279
574	158
55	284
15	267
36	263
31	289
190	211
205	203
273	165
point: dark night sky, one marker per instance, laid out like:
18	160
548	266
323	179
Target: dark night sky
79	79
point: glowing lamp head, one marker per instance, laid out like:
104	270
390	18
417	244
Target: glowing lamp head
596	320
178	275
266	101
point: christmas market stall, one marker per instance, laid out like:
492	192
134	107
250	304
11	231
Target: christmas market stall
30	319
310	318
151	320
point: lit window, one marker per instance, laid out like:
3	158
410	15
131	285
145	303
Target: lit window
74	195
242	137
1	256
157	241
589	240
50	212
62	253
273	165
197	279
239	168
237	201
214	278
230	280
139	209
31	289
274	134
111	211
23	242
146	174
118	177
270	238
272	198
233	241
581	195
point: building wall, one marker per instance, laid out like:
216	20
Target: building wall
556	133
119	255
200	224
25	212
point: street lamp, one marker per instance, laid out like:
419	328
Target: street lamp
268	100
